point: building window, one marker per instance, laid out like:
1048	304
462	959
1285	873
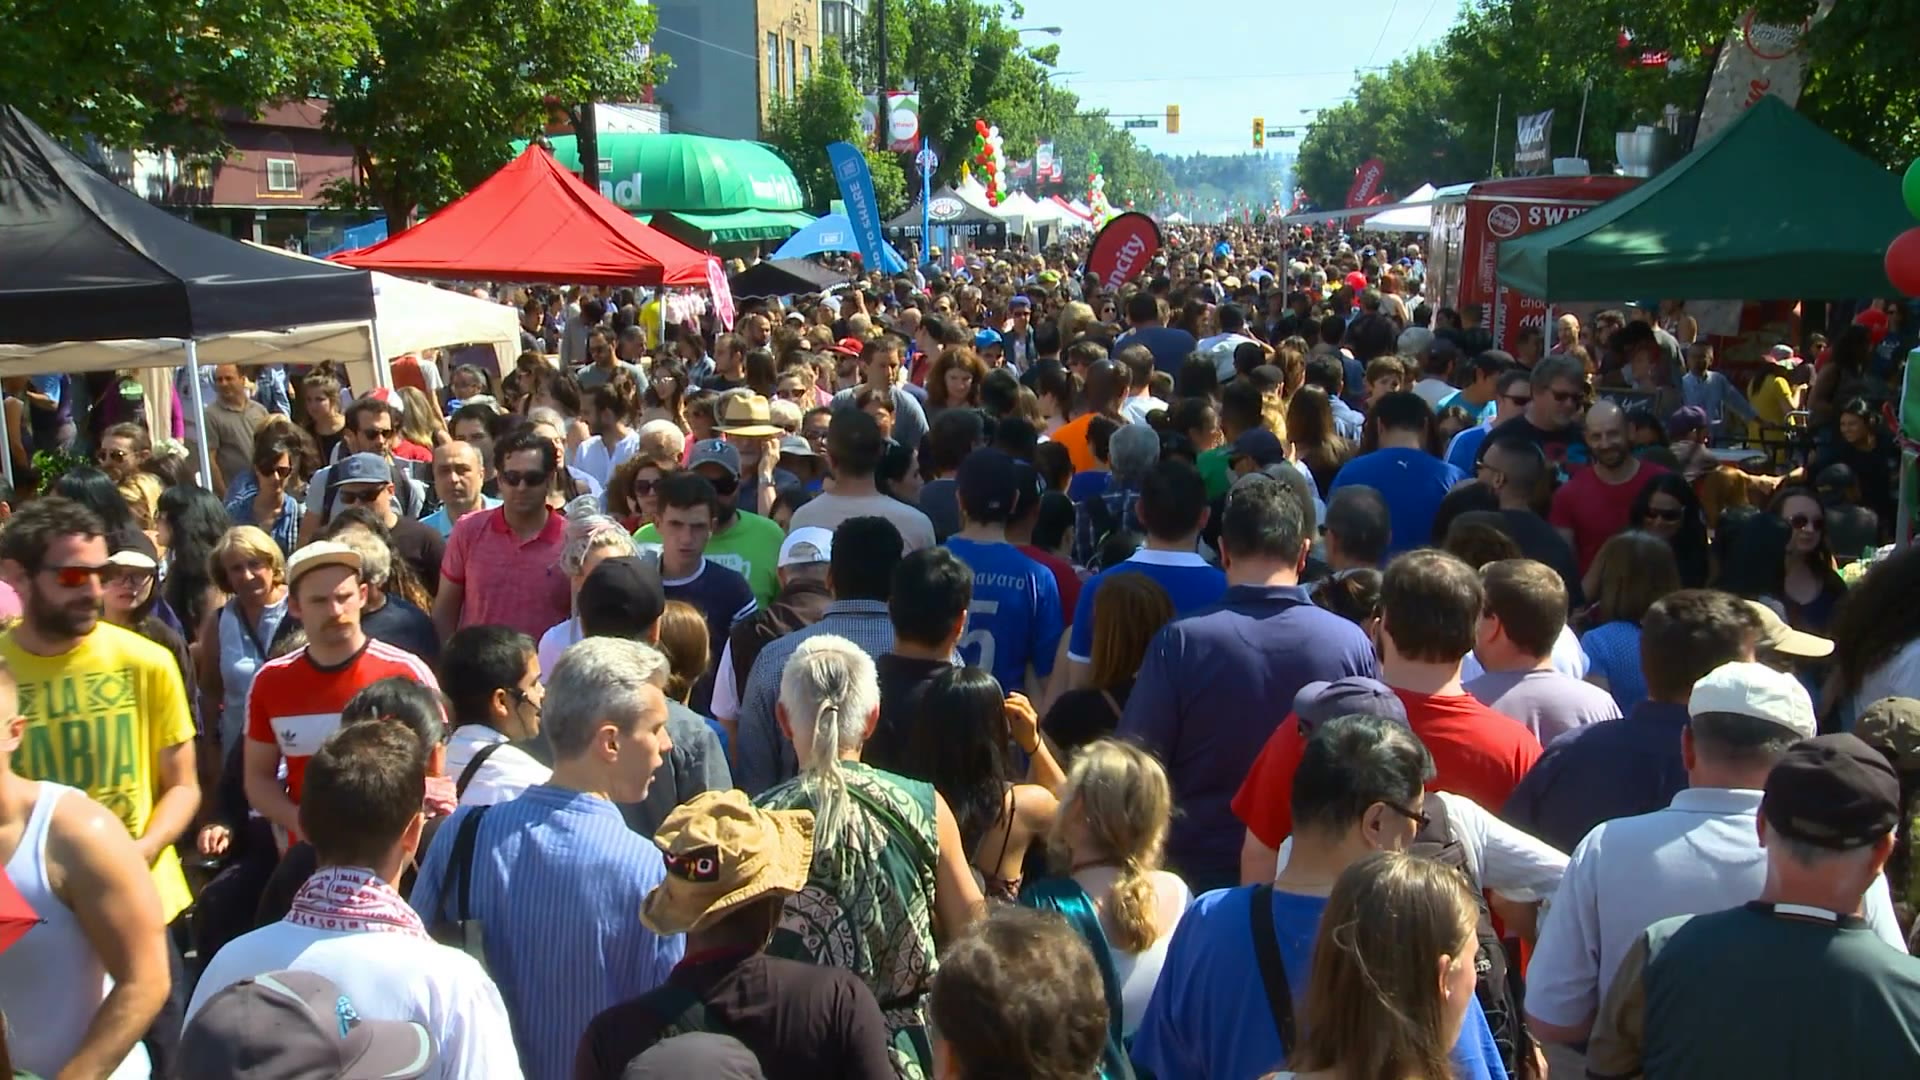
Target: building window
793	67
806	62
282	175
773	64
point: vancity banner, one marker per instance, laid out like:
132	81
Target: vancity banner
1123	249
1366	182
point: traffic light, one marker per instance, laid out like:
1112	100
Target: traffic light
1173	119
1259	133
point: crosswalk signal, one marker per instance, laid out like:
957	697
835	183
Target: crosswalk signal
1259	133
1173	119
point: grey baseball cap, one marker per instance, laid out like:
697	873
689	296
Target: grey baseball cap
288	1024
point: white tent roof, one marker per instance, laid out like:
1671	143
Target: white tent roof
1175	218
410	316
1414	214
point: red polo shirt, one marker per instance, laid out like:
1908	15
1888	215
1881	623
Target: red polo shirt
508	581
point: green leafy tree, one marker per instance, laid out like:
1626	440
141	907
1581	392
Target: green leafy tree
430	109
160	72
826	109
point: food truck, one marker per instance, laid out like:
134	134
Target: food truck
1470	221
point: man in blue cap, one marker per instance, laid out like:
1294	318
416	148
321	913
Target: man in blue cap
987	343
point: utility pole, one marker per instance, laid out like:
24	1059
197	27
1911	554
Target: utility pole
881	121
586	140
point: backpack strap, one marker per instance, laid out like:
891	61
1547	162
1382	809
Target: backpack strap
1273	970
457	878
473	768
681	1011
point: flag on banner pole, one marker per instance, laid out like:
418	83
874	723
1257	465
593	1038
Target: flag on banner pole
903	121
1532	146
863	209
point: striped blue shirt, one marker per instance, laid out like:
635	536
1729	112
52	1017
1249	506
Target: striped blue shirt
557	886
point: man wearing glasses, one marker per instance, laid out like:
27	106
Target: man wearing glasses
106	709
502	565
1559	387
372	428
366	480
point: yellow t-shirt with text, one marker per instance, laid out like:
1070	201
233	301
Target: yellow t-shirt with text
97	718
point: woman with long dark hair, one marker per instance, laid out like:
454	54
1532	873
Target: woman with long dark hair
1667	508
960	745
1862	444
1843	378
1810	586
191	522
666	393
1316	442
96	491
1876	640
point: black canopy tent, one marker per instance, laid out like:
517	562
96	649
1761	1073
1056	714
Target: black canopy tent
84	259
960	218
784	277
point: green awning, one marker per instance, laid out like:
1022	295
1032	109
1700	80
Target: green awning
653	173
1770	208
732	226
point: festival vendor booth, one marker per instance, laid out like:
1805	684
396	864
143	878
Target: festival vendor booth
834	232
952	220
83	259
711	193
1414	214
784	277
1771	208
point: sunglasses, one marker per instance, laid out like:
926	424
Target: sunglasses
643	488
534	478
373	434
278	472
1518	399
1802	521
795	394
1566	397
112	455
1655	513
72	577
725	485
1414	816
357	496
131	576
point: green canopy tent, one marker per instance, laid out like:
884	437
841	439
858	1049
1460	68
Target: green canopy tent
1771	208
701	190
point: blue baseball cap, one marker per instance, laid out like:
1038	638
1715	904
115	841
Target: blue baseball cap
984	338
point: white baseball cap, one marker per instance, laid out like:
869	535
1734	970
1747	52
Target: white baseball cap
806	546
1749	689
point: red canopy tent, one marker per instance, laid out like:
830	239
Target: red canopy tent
535	221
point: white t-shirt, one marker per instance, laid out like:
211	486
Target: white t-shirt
1511	862
1898	677
1139	972
506	773
593	458
726	689
1137	409
1434	391
388	977
555	641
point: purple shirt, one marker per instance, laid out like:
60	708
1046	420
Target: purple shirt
1211	690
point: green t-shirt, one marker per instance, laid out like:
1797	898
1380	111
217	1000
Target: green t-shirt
749	547
1749	993
1216	471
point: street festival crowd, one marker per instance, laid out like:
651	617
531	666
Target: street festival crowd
977	673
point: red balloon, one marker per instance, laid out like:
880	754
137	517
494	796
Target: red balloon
1903	262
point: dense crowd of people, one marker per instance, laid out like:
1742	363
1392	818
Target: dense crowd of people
975	673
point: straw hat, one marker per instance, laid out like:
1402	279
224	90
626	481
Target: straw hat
747	415
722	851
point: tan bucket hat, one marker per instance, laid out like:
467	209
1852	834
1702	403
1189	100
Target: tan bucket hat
747	414
722	851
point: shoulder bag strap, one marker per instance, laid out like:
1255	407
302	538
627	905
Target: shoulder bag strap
1273	970
457	879
473	768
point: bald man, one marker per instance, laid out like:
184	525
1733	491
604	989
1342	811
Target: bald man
1596	502
459	473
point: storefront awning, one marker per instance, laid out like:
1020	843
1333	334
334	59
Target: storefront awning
732	226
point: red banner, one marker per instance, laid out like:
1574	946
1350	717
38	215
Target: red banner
1366	182
1123	249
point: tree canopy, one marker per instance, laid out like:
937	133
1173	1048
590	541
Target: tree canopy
826	109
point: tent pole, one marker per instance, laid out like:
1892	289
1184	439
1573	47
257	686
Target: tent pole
6	445
382	370
200	414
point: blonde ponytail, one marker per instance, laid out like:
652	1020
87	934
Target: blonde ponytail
1121	794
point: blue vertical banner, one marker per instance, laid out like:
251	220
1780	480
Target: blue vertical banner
927	165
863	210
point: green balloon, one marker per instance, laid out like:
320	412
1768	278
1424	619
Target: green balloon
1910	188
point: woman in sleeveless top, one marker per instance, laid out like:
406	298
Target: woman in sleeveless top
889	872
961	744
1108	838
236	637
1392	921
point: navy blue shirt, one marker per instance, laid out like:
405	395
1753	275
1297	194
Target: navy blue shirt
1412	483
1212	688
1170	346
1613	769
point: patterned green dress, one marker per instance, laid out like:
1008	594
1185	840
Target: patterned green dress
868	904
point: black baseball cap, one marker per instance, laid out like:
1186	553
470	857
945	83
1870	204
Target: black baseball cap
622	597
1259	444
1318	702
1832	791
989	483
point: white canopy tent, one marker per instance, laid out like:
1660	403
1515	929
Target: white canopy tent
1413	214
1175	218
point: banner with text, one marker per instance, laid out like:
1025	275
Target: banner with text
903	122
1758	59
863	210
1532	145
1123	249
1045	167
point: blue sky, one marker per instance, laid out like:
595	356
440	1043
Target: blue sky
1226	62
